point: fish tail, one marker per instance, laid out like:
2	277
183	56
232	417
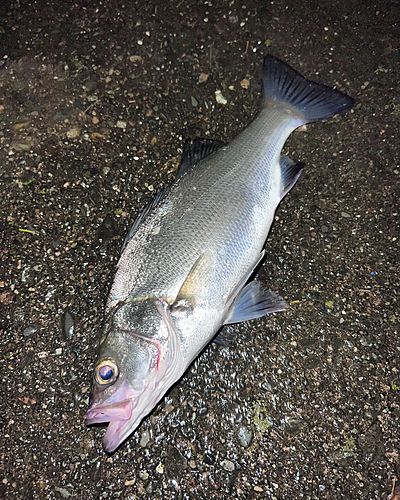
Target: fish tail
309	101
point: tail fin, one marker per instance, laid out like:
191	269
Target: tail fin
313	100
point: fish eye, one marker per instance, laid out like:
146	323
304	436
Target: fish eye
106	371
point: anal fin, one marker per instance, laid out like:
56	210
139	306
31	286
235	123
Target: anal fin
290	172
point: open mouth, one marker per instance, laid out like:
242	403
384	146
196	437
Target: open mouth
118	411
121	420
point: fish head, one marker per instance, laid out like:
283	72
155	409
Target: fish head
139	359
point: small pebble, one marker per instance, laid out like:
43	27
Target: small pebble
55	244
144	440
62	114
20	126
20	145
73	133
220	98
228	465
203	77
245	436
64	493
121	124
160	469
68	324
194	102
30	330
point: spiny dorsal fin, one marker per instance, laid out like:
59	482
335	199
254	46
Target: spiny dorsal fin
143	214
194	152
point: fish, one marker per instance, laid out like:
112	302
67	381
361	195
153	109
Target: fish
187	262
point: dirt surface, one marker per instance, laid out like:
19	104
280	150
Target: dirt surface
96	99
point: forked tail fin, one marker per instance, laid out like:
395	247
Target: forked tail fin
311	101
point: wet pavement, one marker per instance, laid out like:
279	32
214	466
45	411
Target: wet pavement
96	99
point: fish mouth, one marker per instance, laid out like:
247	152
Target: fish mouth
119	415
124	416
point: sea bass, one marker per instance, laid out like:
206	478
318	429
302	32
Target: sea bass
186	263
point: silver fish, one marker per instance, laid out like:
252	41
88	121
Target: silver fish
187	260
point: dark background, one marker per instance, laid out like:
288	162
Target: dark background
96	99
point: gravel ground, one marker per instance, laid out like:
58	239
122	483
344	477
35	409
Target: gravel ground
96	99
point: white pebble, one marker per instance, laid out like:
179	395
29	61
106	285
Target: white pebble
220	98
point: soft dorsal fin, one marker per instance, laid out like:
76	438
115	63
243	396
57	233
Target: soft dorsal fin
290	172
195	151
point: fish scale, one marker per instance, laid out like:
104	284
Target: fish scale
195	216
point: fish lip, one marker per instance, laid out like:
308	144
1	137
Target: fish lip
119	411
119	406
123	417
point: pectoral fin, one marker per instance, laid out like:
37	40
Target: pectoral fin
254	302
199	276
